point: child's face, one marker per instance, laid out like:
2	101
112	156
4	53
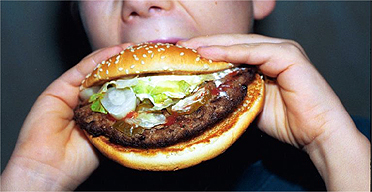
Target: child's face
113	22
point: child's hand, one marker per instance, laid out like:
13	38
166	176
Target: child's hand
52	153
299	104
300	107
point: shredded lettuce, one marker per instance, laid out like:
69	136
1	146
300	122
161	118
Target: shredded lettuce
96	106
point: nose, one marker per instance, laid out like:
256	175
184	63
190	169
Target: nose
141	8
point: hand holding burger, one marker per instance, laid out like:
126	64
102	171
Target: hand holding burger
50	147
300	107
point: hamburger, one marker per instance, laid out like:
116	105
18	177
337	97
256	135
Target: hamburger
163	107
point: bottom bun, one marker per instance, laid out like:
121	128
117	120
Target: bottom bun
185	154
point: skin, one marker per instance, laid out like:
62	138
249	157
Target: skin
51	159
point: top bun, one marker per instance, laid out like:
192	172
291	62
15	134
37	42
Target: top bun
152	58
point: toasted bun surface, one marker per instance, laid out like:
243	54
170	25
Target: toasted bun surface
185	154
152	58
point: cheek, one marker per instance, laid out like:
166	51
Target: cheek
225	17
99	23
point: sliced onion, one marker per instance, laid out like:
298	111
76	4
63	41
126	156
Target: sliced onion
86	93
119	102
147	120
192	102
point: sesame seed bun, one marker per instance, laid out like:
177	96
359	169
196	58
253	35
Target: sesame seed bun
174	59
152	58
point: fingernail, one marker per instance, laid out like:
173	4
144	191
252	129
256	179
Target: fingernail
182	42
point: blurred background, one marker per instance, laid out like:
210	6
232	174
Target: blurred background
41	40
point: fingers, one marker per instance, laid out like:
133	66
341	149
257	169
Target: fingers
234	39
230	39
272	58
283	61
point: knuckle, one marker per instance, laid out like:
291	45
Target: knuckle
292	46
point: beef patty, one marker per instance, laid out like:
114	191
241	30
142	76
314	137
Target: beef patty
183	127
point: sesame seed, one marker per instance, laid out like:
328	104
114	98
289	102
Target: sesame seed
126	71
210	61
95	75
117	61
132	66
149	51
122	52
197	59
193	50
100	69
206	66
182	53
152	55
107	72
103	62
144	55
165	68
120	68
135	57
137	72
162	57
142	62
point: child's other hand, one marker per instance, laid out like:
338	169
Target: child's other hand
300	107
299	104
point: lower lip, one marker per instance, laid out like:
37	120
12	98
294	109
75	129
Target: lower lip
170	40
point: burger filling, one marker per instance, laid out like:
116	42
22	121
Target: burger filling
160	110
148	96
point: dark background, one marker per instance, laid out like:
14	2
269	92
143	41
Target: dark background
40	40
